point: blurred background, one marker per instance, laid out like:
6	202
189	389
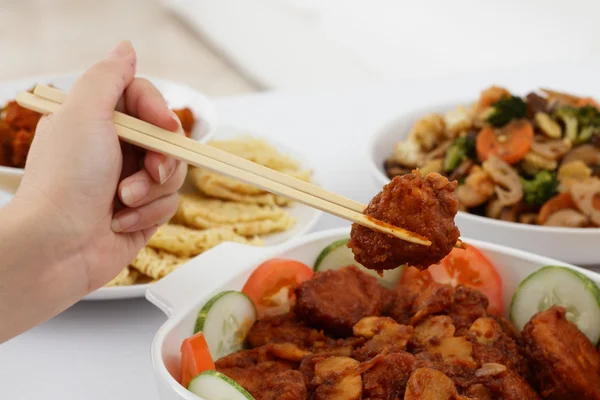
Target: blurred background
229	47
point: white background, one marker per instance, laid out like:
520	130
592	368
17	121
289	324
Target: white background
101	351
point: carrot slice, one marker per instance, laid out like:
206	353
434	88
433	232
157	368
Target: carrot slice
587	101
558	202
195	358
510	143
491	95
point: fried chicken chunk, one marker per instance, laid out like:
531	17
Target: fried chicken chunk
284	329
425	206
336	300
566	363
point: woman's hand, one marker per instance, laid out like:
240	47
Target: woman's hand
99	200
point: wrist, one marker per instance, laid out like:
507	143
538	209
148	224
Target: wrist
44	239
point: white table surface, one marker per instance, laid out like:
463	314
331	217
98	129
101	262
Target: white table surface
102	350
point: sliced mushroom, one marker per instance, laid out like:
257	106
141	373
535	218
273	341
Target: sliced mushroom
338	379
438	152
567	218
494	208
551	149
469	197
508	188
429	384
528	218
461	171
480	181
534	162
584	195
490	369
435	328
587	153
550	127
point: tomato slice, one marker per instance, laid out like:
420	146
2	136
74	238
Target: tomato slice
195	358
271	285
467	267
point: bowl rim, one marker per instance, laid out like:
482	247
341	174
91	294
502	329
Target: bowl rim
75	74
387	129
160	369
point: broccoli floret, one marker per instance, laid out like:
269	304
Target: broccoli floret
463	147
505	110
540	189
581	123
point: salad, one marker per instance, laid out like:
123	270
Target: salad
532	159
338	330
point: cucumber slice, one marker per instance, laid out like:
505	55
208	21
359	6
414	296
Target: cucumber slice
213	385
225	321
559	286
337	255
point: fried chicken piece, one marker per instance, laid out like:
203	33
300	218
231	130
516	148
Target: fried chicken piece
20	147
20	117
6	137
429	384
399	303
463	304
387	378
336	300
510	386
565	361
425	206
288	385
186	116
468	305
285	329
492	345
436	299
267	373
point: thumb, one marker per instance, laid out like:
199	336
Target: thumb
96	93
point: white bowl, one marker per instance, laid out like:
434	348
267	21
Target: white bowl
176	94
572	245
227	266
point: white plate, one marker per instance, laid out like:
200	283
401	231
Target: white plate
306	218
572	245
227	267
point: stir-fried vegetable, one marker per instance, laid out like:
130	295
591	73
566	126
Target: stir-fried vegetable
459	150
540	189
505	110
543	143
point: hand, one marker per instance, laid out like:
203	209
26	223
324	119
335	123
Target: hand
97	199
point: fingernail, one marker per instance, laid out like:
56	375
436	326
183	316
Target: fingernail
122	49
134	192
166	169
125	221
175	118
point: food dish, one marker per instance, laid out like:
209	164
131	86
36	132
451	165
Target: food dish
178	96
214	209
576	242
173	294
532	159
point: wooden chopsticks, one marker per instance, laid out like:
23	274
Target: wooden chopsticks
47	100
